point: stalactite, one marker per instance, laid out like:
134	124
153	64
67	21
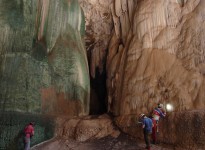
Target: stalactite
34	47
160	27
118	7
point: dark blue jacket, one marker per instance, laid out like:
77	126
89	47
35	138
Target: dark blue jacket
147	123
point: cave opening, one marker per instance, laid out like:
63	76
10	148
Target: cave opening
98	96
98	88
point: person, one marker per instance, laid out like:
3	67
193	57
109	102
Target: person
158	113
147	129
28	132
154	131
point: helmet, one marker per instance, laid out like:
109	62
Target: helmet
141	115
160	105
32	123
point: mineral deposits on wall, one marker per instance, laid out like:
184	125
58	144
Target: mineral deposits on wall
43	59
153	51
43	66
98	30
160	58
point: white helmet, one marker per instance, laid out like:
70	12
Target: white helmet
160	105
141	115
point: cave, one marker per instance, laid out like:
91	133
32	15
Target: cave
98	91
83	71
98	99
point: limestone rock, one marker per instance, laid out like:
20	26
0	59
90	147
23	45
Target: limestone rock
118	7
185	129
43	63
162	60
157	58
116	21
99	25
86	128
43	66
131	6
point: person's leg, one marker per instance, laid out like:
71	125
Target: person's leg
27	143
157	132
154	134
146	138
149	144
157	126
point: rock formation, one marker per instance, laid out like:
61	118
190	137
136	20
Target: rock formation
160	58
43	58
86	128
43	65
150	51
99	26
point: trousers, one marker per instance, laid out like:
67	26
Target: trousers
147	137
27	143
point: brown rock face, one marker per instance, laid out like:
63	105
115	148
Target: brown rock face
160	60
156	54
86	128
99	25
180	129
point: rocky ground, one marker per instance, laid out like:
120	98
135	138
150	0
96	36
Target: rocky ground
101	133
94	133
122	142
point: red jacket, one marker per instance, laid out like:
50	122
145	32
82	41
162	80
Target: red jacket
29	131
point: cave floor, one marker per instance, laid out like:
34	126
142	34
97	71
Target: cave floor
123	142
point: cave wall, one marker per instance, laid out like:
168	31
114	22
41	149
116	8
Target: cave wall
161	60
153	52
99	25
43	66
43	58
156	54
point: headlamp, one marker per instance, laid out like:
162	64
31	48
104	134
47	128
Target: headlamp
169	107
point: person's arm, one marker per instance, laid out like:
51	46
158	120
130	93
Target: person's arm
152	122
143	124
32	132
162	113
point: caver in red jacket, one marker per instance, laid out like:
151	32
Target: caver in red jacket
29	130
154	130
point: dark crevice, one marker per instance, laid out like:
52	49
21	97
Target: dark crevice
98	98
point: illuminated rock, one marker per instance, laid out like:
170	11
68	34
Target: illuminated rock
160	59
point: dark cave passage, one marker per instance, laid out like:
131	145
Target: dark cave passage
98	97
